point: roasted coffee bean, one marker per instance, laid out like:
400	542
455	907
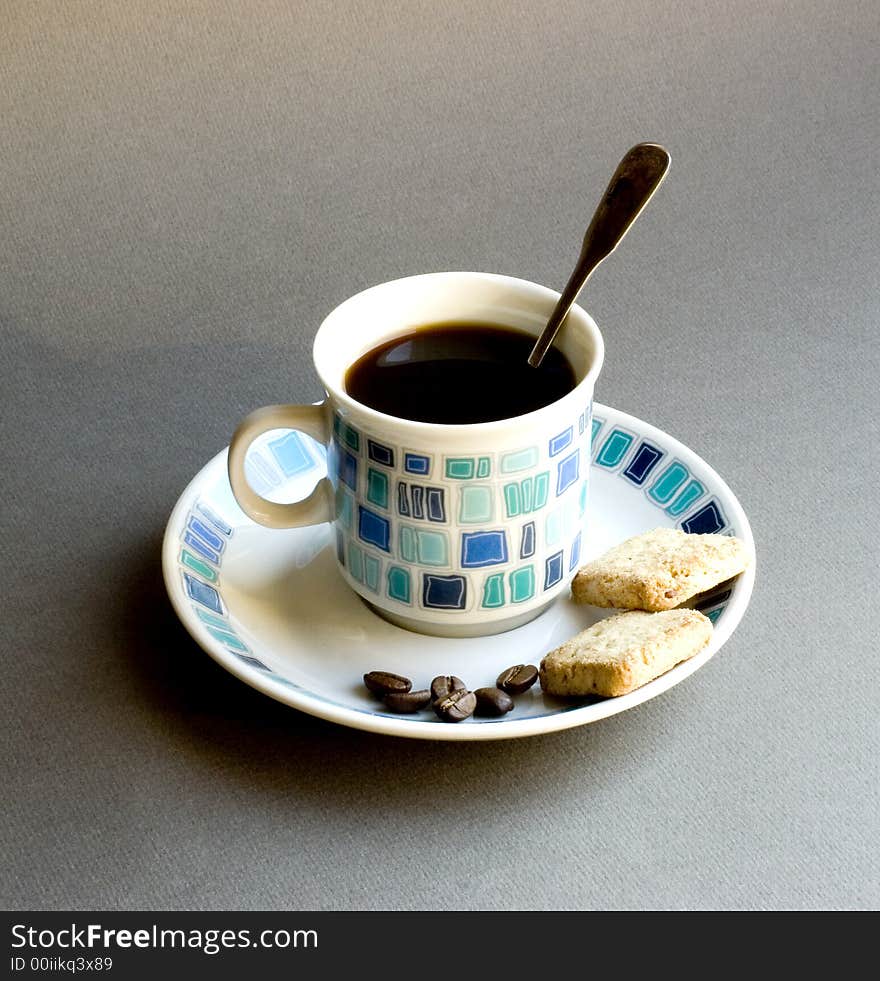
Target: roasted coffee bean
444	684
456	706
517	679
406	702
384	683
492	701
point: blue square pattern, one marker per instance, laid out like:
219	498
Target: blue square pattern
348	469
559	443
197	545
553	570
713	599
641	465
373	528
417	496
202	593
206	534
434	499
415	463
482	548
575	552
444	592
567	472
402	499
380	454
527	543
210	516
291	454
709	520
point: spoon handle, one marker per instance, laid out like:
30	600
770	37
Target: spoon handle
637	176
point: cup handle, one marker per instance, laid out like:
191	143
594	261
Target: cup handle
318	506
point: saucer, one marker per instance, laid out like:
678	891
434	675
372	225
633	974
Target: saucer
271	607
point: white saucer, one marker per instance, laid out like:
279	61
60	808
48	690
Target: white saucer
272	609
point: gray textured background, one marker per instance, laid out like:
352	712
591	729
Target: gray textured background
185	190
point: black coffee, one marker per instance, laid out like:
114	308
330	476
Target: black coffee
458	373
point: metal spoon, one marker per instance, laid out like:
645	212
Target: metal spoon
637	176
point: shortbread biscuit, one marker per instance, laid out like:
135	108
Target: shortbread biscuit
624	652
659	570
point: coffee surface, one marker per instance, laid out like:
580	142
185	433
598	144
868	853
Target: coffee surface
458	373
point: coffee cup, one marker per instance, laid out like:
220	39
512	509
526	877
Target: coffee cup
454	530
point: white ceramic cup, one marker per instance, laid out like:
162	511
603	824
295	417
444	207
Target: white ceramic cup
455	530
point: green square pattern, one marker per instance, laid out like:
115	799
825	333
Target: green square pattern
212	618
460	468
351	437
344	508
399	584
348	435
520	460
493	591
407	540
512	500
529	495
356	561
432	547
522	584
229	639
542	487
476	504
467	467
553	525
377	488
372	568
197	564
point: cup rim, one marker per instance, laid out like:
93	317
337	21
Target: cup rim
586	384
